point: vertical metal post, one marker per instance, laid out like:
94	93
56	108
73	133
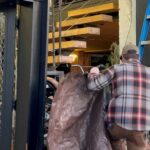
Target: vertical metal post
8	80
32	63
60	27
23	74
53	31
39	65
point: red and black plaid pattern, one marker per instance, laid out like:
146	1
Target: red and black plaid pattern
130	103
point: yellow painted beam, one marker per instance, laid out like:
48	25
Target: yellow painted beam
68	45
77	32
105	8
98	51
86	20
60	59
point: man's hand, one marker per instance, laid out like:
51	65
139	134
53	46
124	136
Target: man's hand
94	72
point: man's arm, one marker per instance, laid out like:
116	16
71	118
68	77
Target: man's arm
101	80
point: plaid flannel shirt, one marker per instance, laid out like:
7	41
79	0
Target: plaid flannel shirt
130	103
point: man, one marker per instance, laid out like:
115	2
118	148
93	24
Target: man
128	113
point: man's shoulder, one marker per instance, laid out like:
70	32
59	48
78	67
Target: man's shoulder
123	66
119	65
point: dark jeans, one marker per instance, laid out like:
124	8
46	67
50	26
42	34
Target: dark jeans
123	139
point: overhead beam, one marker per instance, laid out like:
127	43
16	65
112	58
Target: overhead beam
105	8
60	59
98	51
68	45
87	31
86	20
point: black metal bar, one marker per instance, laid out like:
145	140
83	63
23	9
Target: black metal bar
23	75
8	80
53	30
39	62
31	76
60	27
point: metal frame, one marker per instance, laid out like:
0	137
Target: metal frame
58	74
144	31
60	26
23	73
52	17
32	54
8	80
33	30
140	13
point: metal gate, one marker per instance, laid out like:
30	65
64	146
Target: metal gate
7	50
26	37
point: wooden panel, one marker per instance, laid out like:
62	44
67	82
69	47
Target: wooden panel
98	51
86	20
77	32
68	45
105	8
60	59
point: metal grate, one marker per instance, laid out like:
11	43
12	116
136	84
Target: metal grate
2	36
